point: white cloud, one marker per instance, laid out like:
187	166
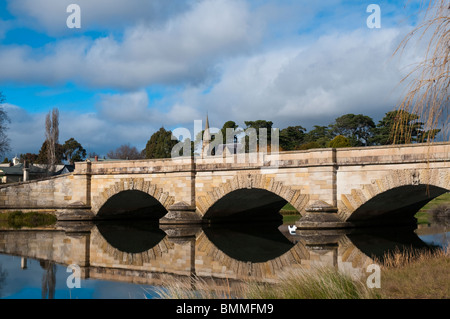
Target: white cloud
50	16
338	74
183	50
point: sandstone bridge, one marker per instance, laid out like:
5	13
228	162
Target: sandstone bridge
331	188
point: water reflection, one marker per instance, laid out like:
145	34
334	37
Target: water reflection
249	243
124	256
131	237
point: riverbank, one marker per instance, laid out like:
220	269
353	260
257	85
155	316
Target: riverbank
416	274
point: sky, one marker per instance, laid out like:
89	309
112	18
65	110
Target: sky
134	66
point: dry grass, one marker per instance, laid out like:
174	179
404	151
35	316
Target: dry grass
406	274
321	283
416	274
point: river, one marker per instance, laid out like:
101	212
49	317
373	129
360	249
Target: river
124	260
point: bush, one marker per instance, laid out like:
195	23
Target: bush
19	219
340	141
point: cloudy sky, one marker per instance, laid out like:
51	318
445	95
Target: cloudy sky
137	65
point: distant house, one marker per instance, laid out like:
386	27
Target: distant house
66	170
14	174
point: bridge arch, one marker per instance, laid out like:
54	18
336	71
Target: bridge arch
396	196
245	194
132	197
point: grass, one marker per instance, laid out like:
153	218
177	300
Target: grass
437	206
406	274
416	274
320	283
18	219
290	214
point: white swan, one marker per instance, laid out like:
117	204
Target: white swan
292	229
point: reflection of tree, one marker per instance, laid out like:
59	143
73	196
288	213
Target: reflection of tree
3	275
48	280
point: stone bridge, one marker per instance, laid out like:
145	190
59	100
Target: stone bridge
331	188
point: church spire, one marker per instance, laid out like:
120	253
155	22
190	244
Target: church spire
207	134
206	138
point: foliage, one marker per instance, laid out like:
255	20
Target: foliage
125	152
160	145
42	157
29	158
320	135
19	219
231	126
4	119
73	151
308	146
340	141
400	127
256	125
292	137
357	128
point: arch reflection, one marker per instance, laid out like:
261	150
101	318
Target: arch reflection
249	242
131	237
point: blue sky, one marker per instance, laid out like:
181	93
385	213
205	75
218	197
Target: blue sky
136	65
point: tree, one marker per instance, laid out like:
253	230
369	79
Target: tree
309	145
427	85
292	137
52	138
320	134
230	125
357	128
255	135
6	161
42	157
125	152
28	157
73	151
408	129
160	144
4	119
340	141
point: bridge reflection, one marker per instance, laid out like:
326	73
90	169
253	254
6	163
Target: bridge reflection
144	253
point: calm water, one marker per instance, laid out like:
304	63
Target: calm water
127	261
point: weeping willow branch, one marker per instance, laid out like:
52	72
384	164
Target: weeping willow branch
427	85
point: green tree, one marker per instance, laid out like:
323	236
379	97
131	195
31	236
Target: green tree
292	137
309	145
42	157
340	141
6	161
73	151
160	144
320	134
357	128
233	126
4	120
257	125
405	125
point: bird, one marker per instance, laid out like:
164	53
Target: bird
292	229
